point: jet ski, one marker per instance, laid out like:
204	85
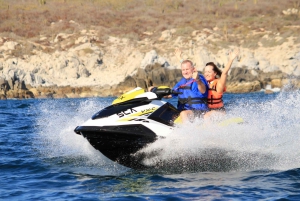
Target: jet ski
134	120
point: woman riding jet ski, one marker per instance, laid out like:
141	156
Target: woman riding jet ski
134	120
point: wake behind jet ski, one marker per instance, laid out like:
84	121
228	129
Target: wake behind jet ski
134	120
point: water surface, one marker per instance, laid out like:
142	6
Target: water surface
43	159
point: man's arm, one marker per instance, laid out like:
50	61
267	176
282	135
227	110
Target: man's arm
200	84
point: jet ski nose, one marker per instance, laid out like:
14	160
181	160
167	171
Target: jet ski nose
77	131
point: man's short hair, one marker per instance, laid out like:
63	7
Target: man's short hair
187	61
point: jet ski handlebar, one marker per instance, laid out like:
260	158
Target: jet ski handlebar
161	92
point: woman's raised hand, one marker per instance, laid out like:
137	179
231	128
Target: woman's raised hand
234	54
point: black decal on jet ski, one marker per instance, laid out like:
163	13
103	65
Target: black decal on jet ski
126	112
133	110
143	120
120	114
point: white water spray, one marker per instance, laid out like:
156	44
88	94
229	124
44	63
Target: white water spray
56	121
268	139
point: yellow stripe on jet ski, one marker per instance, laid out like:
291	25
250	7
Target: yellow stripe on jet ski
178	120
234	120
128	96
163	87
126	119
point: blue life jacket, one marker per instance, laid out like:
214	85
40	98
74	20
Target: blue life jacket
191	98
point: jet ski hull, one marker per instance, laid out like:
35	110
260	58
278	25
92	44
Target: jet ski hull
119	143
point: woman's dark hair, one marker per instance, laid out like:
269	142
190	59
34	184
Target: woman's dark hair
215	68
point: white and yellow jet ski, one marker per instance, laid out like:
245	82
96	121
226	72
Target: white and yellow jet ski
134	120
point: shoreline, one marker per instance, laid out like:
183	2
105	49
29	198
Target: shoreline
93	92
240	80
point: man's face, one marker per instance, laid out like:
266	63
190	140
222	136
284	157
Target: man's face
187	70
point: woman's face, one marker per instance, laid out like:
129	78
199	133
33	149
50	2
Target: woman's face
209	73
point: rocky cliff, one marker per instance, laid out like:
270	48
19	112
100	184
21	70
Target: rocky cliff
82	65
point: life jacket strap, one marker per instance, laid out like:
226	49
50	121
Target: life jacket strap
212	100
185	87
192	101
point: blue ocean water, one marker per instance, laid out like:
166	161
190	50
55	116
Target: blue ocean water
43	159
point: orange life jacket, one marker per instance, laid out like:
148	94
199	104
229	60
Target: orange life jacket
214	98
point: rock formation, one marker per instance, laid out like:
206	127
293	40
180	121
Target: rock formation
81	65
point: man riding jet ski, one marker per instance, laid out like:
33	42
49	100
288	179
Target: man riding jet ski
134	120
